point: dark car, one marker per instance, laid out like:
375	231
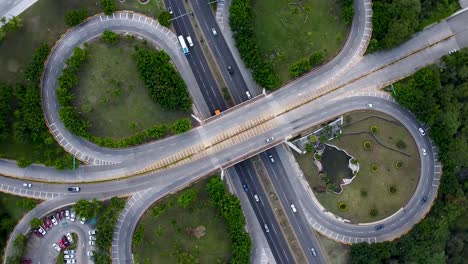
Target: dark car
245	187
379	227
58	215
424	199
230	69
74	189
65	241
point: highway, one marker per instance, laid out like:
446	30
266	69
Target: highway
279	114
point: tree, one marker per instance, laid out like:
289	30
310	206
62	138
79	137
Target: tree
87	209
316	58
347	11
181	126
75	17
35	223
299	68
108	6
165	19
187	198
110	37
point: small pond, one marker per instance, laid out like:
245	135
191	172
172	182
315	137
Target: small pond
335	165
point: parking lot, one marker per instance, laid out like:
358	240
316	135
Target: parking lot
45	248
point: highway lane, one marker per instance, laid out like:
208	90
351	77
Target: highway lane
287	196
220	50
264	212
196	59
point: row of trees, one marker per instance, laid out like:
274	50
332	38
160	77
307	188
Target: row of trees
241	22
396	21
438	96
162	80
22	120
304	65
230	208
12	25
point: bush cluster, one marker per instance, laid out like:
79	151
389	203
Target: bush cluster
398	164
75	17
347	11
373	212
304	65
165	19
230	209
108	6
343	206
13	24
367	145
241	22
110	37
374	129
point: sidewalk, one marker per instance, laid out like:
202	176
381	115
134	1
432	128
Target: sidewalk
11	8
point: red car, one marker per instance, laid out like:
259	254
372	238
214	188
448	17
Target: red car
27	261
36	232
61	244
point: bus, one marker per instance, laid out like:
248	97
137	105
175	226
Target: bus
184	46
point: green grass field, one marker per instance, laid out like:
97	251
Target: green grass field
163	232
111	95
288	32
375	184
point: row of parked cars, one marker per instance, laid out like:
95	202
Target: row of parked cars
53	220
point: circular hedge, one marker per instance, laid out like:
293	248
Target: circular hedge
374	129
373	212
343	207
392	189
367	145
398	164
374	167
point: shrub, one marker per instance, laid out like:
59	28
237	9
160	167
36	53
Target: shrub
108	6
367	145
317	156
309	148
373	212
374	167
299	68
343	207
313	138
392	189
316	59
187	198
374	129
182	125
398	164
110	37
347	11
401	144
165	19
138	235
354	161
23	162
158	210
75	17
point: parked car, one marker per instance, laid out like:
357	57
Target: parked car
69	252
72	216
92	243
92	232
54	220
452	51
67	214
293	208
62	214
27	185
92	238
41	230
58	216
65	241
37	233
69	256
69	238
271	158
421	130
270	139
54	245
74	189
90	253
266	228
70	261
61	244
245	187
82	220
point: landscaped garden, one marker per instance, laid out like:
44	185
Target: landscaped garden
193	226
290	31
388	168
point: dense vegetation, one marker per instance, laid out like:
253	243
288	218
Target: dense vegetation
347	11
22	119
106	225
231	210
75	17
395	21
438	96
165	18
87	209
241	22
13	24
110	37
299	68
19	246
166	87
108	6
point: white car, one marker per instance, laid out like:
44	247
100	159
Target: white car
70	261
72	216
92	243
266	228
169	9
92	232
270	139
54	220
312	250
67	214
452	51
214	31
70	238
370	105
69	256
293	208
92	238
421	130
90	253
69	252
271	158
27	185
82	220
189	40
424	151
42	231
54	245
248	95
256	198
